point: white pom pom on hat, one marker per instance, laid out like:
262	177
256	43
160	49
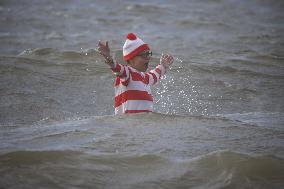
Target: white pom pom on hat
133	46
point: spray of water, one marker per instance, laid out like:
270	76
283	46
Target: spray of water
179	93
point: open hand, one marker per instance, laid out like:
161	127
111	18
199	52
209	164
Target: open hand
166	60
104	50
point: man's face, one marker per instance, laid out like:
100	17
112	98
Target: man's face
141	61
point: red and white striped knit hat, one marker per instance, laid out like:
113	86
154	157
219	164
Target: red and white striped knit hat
133	46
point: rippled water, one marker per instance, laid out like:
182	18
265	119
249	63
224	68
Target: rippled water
219	110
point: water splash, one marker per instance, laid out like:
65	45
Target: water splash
180	93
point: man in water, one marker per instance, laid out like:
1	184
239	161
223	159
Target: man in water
132	84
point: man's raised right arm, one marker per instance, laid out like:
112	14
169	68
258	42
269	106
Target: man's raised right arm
118	69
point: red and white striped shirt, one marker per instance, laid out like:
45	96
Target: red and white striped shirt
132	88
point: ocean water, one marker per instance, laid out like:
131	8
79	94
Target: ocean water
218	118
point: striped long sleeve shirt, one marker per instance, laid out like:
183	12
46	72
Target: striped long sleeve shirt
133	88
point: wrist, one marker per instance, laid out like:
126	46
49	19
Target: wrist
163	68
165	65
109	61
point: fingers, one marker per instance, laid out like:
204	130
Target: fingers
166	60
167	57
101	45
103	48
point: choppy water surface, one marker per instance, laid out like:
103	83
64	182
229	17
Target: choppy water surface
219	110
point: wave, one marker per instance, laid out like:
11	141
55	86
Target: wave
35	86
147	8
232	69
227	169
61	56
90	60
219	169
250	66
270	120
53	83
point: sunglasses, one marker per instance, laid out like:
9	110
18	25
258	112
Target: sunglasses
147	54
